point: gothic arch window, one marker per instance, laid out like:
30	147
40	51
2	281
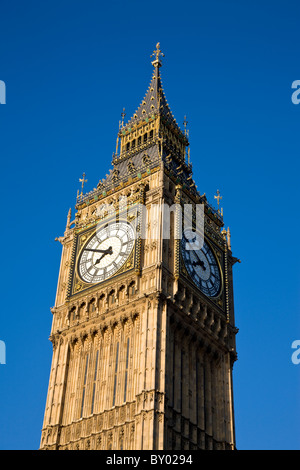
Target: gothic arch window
73	314
116	373
131	288
139	140
145	137
92	306
122	293
94	381
112	298
126	370
81	309
84	385
101	302
151	135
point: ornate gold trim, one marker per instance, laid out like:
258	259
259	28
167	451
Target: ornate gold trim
79	284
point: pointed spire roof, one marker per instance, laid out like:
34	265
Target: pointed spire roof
154	101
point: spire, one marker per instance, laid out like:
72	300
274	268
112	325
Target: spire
229	238
69	219
154	102
121	124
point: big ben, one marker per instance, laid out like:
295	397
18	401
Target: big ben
143	328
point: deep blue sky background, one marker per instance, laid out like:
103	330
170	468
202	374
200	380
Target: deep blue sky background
70	67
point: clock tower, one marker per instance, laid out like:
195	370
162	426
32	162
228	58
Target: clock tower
143	329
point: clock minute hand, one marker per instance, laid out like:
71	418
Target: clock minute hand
107	251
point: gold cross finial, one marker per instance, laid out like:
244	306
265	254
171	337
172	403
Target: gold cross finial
218	197
156	53
82	181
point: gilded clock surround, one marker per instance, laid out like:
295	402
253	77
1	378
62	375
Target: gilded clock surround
142	360
78	283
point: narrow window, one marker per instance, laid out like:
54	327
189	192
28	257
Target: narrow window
126	370
84	385
112	298
94	383
145	138
74	313
132	289
101	301
173	381
181	380
205	396
122	293
116	373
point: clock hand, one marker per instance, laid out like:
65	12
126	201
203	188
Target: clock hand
199	263
105	252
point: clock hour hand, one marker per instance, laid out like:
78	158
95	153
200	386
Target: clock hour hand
105	252
199	262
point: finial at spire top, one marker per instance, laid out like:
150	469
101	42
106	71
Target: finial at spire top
157	53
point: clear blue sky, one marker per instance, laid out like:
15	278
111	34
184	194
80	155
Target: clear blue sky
69	68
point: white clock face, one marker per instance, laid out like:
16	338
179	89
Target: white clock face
202	266
106	252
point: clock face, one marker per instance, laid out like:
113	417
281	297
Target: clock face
106	252
202	266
